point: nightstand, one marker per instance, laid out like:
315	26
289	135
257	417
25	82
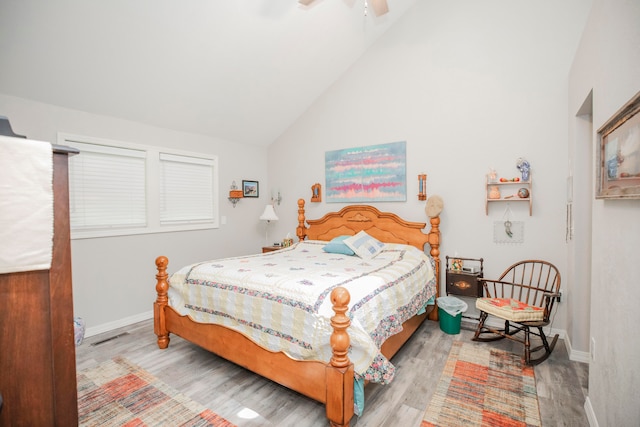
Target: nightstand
465	282
266	249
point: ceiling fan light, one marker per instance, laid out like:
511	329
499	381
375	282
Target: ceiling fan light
380	7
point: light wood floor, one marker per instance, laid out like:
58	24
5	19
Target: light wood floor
248	400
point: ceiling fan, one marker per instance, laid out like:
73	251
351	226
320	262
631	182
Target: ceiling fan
380	7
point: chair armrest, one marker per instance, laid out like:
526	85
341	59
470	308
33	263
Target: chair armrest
500	288
552	294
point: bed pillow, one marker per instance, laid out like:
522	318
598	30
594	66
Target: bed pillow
337	246
364	245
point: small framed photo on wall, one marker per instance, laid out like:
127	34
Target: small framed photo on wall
250	188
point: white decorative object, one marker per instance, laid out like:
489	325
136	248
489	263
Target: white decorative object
434	206
501	236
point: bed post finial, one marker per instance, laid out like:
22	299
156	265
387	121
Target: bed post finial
162	288
340	322
300	230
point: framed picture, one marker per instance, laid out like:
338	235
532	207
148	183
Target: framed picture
250	188
316	192
619	154
375	173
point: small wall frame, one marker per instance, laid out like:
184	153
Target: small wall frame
619	154
250	188
316	192
422	186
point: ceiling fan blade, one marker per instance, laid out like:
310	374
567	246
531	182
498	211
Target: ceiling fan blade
380	7
305	2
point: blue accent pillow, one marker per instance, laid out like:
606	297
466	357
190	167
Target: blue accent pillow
337	246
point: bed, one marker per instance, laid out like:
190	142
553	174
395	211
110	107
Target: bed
332	377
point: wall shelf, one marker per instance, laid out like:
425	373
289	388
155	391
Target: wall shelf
508	192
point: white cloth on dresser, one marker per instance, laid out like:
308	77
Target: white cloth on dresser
26	205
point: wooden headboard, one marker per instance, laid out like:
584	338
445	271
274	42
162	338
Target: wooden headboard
384	226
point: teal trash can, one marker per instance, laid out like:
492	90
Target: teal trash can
450	311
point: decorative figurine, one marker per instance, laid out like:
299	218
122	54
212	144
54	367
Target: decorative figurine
316	192
494	192
524	167
492	175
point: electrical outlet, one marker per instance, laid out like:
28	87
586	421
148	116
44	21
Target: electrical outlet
559	298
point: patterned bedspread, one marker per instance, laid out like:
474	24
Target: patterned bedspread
281	299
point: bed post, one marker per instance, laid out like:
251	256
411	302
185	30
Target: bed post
162	287
301	229
340	371
434	242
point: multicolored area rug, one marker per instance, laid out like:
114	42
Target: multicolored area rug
119	393
481	386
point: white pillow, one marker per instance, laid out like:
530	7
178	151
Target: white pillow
364	245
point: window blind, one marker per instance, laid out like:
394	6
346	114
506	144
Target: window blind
186	189
107	187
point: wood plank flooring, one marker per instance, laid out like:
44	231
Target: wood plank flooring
249	400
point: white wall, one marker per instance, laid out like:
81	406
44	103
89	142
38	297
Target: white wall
113	277
469	85
607	62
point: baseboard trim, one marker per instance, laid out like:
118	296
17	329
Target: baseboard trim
575	355
591	416
110	326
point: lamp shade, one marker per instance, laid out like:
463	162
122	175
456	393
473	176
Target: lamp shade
269	214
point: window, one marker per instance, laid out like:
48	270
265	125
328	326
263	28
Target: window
107	187
118	188
186	189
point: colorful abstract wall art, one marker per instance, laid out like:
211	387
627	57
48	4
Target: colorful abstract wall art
375	173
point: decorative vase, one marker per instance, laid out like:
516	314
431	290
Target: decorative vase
494	192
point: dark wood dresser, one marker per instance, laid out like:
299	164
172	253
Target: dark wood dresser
37	347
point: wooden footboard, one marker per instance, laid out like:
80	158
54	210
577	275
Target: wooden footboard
329	383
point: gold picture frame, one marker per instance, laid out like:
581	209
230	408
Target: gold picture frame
618	154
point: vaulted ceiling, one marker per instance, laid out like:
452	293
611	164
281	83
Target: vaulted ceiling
240	70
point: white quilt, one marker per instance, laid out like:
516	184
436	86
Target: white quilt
281	299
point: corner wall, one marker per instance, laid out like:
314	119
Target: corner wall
607	62
469	86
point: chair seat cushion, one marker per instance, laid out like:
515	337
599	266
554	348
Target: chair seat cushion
510	309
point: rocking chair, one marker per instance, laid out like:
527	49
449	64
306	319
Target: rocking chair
523	296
